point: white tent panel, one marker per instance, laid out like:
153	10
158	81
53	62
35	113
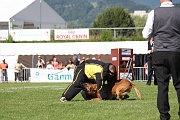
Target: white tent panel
39	12
9	8
139	47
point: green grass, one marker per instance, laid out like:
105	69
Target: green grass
40	101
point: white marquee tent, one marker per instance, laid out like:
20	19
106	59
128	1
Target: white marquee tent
139	47
38	13
11	51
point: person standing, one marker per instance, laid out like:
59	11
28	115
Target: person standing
49	65
55	63
150	67
164	24
18	70
4	67
75	60
99	57
40	63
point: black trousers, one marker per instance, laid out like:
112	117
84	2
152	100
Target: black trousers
86	96
166	64
77	85
151	70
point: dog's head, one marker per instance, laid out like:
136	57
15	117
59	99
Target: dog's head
91	89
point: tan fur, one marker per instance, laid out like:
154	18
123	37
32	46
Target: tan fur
119	90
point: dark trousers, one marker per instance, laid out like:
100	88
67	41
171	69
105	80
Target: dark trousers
77	85
166	64
151	70
16	76
5	76
86	96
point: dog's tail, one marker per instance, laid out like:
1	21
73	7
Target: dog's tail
137	91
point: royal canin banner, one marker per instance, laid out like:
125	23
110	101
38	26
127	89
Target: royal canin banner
71	34
31	34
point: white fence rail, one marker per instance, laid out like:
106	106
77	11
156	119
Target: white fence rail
65	75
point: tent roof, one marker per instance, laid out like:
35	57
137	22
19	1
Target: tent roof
139	47
9	8
29	11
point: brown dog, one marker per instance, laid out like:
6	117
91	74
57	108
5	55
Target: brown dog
117	90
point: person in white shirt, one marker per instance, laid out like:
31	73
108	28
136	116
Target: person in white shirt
49	66
40	63
18	67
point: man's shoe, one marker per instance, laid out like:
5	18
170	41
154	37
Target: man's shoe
149	83
63	99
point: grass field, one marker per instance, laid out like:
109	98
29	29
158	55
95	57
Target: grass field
40	101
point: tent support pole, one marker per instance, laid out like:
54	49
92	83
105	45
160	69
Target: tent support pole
32	61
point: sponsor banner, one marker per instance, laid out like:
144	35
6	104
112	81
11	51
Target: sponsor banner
126	75
31	34
71	34
126	58
3	34
126	51
44	75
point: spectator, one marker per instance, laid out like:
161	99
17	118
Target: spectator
49	65
82	60
4	67
40	63
99	57
75	60
88	58
61	65
150	67
93	58
52	58
70	64
146	68
18	70
163	24
55	63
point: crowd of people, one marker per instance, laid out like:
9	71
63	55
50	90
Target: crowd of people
58	65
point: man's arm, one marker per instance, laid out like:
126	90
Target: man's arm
147	31
100	85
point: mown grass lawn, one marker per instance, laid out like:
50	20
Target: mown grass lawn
40	101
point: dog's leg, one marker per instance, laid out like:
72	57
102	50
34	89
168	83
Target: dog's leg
96	99
119	96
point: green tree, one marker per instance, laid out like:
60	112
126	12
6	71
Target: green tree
139	22
115	17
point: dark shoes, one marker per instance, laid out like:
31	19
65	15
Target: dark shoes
148	83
